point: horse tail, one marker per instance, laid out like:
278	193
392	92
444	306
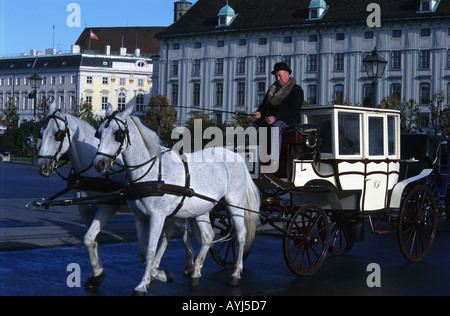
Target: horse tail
251	218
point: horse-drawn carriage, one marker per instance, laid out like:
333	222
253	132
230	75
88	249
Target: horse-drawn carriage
339	169
336	170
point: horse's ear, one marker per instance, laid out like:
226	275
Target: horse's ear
52	108
109	110
128	111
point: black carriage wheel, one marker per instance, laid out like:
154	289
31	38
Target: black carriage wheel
224	252
340	240
417	223
306	241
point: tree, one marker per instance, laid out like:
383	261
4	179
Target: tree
161	118
85	112
410	113
438	113
9	118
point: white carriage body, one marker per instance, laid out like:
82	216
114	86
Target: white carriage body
359	159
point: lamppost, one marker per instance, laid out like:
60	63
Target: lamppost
35	83
375	66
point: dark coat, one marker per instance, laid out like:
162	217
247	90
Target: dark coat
288	110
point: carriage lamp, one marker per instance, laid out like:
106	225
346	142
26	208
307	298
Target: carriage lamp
35	83
375	66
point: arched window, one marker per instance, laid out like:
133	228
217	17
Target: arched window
121	101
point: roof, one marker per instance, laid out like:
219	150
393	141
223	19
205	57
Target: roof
254	14
131	37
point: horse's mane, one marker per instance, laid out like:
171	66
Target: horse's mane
151	139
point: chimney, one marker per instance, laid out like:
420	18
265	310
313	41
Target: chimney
108	50
180	8
123	51
137	52
75	49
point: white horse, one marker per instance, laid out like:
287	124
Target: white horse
224	176
63	133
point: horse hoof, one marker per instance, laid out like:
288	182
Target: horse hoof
138	293
92	283
194	282
234	281
169	276
188	270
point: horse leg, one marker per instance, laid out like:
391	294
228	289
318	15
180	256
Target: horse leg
166	237
142	232
207	236
183	229
102	215
156	227
238	222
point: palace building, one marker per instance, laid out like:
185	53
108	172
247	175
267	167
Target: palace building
219	55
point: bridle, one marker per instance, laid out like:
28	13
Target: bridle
60	135
119	136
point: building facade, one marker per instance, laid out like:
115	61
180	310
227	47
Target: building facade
71	79
219	54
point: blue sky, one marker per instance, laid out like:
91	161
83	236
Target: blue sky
28	24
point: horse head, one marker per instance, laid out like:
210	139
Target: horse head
56	140
114	138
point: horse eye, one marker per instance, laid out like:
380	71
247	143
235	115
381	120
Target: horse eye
59	136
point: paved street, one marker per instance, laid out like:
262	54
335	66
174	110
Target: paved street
38	246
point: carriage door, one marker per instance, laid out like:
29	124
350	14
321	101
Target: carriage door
376	167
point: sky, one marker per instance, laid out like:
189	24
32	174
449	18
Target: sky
28	24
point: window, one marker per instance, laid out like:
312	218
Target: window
286	60
73	79
242	42
174	94
396	91
262	41
219	66
340	36
261	93
89	99
376	136
339	62
220	43
368	35
105	80
367	95
349	141
448	59
338	94
219	93
196	67
122	81
174	68
52	80
240	65
312	63
196	94
104	102
396	33
140	102
425	32
176	46
391	136
425	5
241	93
121	101
312	94
287	39
313	38
140	82
424	96
198	45
424	59
396	59
261	65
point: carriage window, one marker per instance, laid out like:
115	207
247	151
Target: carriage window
349	135
391	136
376	136
323	122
